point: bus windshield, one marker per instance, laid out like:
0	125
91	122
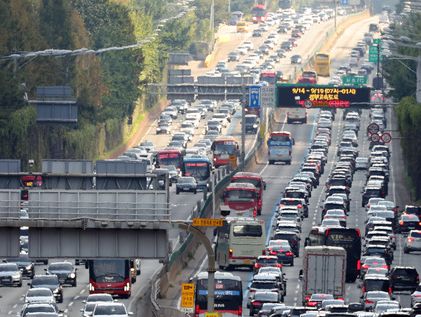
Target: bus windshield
322	57
247	230
169	159
228	294
240	195
109	271
225	148
256	182
199	170
258	11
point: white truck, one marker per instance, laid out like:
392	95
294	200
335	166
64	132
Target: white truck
297	114
324	271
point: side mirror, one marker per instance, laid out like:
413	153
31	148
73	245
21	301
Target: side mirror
300	274
45	270
29	284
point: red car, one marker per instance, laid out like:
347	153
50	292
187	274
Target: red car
266	260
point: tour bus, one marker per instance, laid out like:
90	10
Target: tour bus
254	179
228	294
240	241
322	64
241	199
259	13
111	276
347	238
225	152
280	147
169	156
199	167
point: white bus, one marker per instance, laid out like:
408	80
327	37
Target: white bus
240	241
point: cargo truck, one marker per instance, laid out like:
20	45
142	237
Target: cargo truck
324	272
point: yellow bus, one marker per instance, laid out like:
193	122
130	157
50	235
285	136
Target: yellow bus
322	64
241	26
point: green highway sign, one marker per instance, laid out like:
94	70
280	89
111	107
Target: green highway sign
354	80
373	53
377	41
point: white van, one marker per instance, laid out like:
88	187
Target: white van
298	114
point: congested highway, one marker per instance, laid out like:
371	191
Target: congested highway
276	177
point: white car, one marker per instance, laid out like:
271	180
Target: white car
416	295
111	310
39	295
191	117
361	163
91	302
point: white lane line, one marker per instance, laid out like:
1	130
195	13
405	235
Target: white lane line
15	305
10	312
71	304
76	297
66	311
82	291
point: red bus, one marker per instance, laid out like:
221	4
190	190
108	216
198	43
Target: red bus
225	152
111	276
259	13
254	179
169	156
242	198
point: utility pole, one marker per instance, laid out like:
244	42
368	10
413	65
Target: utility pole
243	123
212	22
418	93
211	261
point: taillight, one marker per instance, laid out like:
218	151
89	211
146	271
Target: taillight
390	290
401	222
299	206
289	253
230	252
365	267
410	239
385	267
363	289
256	303
197	309
240	310
358	265
311	304
367	301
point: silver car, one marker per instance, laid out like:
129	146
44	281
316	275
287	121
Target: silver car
372	297
10	275
416	296
413	241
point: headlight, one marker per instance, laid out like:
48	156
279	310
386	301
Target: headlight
16	276
56	291
72	275
255	126
29	267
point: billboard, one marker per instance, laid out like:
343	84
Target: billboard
321	96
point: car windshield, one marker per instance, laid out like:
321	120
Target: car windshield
60	267
267	297
21	260
39	309
45	280
109	310
35	292
186	180
267	261
263	284
99	298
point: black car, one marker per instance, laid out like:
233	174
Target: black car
371	192
252	123
296	59
186	184
379	250
404	278
375	283
25	265
51	282
293	239
259	298
408	223
65	272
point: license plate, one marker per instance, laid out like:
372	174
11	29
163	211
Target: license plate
186	188
247	261
224	156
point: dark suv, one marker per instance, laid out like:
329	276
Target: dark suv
51	282
404	278
65	272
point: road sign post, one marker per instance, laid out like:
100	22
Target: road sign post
187	297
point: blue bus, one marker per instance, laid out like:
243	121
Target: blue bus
280	147
199	167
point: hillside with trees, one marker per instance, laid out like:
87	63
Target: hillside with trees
110	87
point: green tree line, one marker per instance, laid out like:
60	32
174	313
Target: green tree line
400	74
108	87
